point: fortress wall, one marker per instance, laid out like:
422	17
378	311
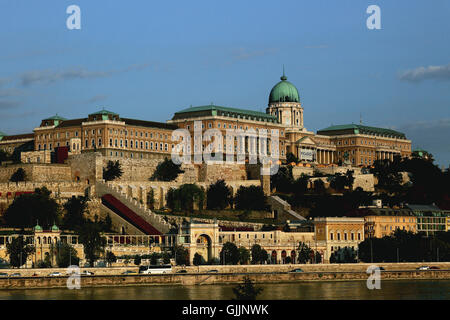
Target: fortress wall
37	172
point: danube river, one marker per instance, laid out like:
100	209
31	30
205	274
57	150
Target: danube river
398	289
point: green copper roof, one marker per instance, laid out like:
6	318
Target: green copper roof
358	128
55	227
2	135
224	111
284	91
56	117
37	227
102	112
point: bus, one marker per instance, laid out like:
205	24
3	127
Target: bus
166	268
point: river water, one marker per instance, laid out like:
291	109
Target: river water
391	289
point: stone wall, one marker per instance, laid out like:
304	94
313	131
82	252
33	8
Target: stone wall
86	167
38	172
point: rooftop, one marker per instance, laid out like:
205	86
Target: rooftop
214	110
359	128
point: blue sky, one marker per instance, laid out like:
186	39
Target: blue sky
148	59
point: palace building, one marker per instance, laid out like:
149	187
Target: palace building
113	136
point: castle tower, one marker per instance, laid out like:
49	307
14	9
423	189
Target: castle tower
284	103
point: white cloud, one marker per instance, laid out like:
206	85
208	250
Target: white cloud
426	73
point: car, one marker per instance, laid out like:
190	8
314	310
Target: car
128	272
212	271
423	268
15	274
434	268
181	271
55	274
297	270
3	274
87	273
382	269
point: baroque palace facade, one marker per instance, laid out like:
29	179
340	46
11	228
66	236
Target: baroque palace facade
89	142
114	136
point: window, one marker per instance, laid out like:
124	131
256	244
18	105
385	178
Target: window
100	142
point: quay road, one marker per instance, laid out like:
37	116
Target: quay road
200	278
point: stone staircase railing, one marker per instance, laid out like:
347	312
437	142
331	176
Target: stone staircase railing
277	203
139	208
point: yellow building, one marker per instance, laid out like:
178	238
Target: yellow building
334	233
379	226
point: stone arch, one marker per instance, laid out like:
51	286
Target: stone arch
274	256
293	256
204	246
283	256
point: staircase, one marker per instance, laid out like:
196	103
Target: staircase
131	210
276	203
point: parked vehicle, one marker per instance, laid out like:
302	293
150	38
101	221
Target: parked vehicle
382	269
423	268
182	271
158	269
434	268
297	270
87	273
3	274
55	274
15	274
213	271
128	272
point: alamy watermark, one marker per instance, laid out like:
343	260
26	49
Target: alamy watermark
374	280
74	279
239	146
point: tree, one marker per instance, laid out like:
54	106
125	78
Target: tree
218	196
319	186
318	257
18	251
166	257
244	255
198	259
137	260
112	171
250	198
304	253
27	209
258	256
154	258
67	256
229	253
264	256
247	290
92	241
282	180
18	175
110	258
75	209
290	157
181	256
166	170
185	197
387	174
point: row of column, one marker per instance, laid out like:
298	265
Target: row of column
381	155
325	156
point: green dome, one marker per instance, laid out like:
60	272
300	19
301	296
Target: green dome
55	228
284	91
37	227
